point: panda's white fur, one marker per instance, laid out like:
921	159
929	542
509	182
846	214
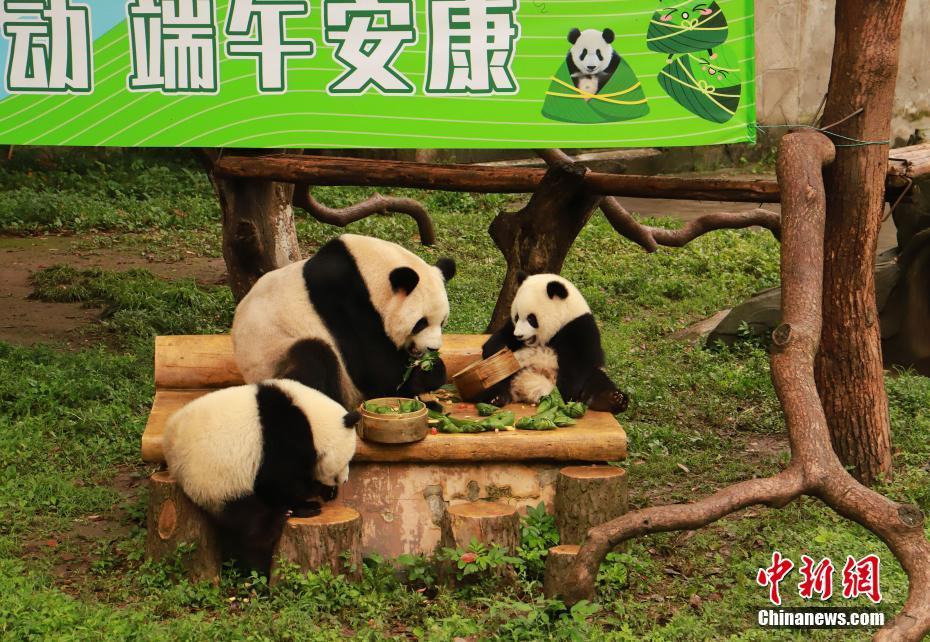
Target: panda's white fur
213	445
277	312
590	56
552	315
539	366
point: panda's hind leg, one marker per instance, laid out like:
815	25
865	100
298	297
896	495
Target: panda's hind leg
602	394
249	530
313	363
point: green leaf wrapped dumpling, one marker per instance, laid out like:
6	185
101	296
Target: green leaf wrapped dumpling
621	98
705	86
686	27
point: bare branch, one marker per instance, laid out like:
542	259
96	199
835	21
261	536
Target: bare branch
772	491
650	238
717	221
376	204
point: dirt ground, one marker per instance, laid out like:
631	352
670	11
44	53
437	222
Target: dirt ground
26	321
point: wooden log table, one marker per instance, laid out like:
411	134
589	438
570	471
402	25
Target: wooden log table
403	491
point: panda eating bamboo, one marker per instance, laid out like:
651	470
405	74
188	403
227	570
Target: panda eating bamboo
347	321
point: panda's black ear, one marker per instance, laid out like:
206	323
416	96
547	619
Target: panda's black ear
556	289
404	279
608	35
573	35
521	277
447	267
351	419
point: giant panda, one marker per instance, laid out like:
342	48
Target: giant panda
250	455
555	339
346	321
591	59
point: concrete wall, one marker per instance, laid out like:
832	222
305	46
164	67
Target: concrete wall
794	45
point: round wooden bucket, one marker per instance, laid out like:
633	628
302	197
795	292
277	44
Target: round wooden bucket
403	428
478	377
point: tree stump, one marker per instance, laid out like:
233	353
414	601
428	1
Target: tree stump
558	564
316	542
488	522
174	520
587	496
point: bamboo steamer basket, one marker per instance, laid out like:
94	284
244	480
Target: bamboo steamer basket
478	377
403	428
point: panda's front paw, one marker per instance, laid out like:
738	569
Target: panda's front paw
426	380
309	508
328	493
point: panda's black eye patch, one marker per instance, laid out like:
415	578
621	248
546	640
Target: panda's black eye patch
532	320
584	53
420	326
600	56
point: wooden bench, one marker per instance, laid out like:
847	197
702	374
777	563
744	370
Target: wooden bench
402	491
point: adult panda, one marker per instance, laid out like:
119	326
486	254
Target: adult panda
554	337
346	321
249	455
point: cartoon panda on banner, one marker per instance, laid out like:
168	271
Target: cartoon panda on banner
249	455
594	83
346	321
555	339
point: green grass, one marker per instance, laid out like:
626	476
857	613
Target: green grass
70	424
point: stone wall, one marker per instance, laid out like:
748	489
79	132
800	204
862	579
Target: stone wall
794	45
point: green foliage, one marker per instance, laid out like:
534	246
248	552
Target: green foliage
478	561
537	535
82	190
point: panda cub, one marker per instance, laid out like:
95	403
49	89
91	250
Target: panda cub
554	337
592	59
346	321
249	455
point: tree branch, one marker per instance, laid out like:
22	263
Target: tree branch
650	238
814	469
376	204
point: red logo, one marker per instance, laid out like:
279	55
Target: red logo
773	575
860	577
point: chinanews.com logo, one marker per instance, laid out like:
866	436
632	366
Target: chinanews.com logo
859	577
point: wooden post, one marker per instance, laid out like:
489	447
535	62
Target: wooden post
587	496
558	566
315	542
488	522
173	520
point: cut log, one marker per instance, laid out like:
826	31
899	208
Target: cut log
173	521
587	496
322	541
487	522
558	567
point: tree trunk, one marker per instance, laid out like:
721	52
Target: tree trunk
324	540
174	521
258	228
587	496
559	568
487	522
537	238
849	365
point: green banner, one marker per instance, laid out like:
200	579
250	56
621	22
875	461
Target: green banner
377	73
